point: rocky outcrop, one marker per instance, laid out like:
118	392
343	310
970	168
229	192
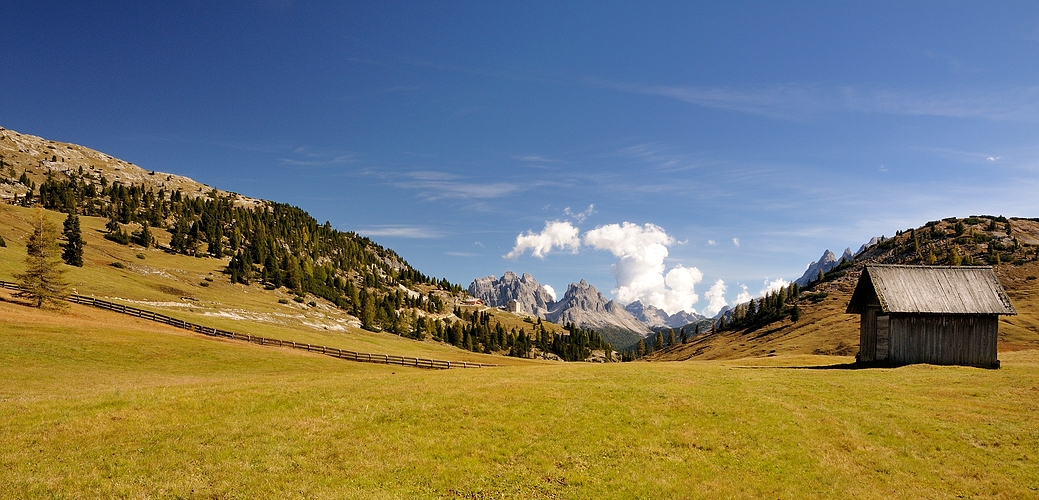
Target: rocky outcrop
657	318
531	296
825	263
585	306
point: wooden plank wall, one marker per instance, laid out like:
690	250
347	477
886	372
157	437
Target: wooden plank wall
944	339
868	334
335	352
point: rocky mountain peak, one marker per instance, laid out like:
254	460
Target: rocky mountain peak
531	296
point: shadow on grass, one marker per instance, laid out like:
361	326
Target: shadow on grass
842	366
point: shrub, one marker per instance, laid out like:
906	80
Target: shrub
312	304
1030	278
298	299
203	283
140	256
117	265
120	237
283	301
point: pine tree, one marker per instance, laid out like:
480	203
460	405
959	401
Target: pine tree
73	253
42	281
658	342
795	314
640	350
144	236
671	338
954	257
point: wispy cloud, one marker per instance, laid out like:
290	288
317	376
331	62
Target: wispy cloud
579	216
416	232
795	101
434	185
305	156
462	254
536	159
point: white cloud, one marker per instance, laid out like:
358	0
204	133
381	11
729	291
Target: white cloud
736	241
401	232
744	295
712	243
640	270
773	286
579	216
551	291
715	299
556	234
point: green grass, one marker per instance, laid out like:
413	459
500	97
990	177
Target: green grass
162	279
101	407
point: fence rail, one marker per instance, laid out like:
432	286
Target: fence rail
335	352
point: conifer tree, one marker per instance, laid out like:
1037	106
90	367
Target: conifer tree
658	342
671	338
42	281
144	236
640	350
73	253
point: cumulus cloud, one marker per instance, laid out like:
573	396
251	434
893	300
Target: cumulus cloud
743	296
736	241
551	291
715	299
773	286
555	235
640	270
712	243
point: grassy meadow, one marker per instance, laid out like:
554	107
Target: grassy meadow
96	404
101	405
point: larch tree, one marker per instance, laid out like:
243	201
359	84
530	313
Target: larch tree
42	280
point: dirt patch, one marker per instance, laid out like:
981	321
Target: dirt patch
169	290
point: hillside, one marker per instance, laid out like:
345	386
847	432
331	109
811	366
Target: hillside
166	242
1011	245
39	158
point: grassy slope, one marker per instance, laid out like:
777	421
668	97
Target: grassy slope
99	405
161	281
824	327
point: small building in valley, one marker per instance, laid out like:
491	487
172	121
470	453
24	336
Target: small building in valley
929	314
512	306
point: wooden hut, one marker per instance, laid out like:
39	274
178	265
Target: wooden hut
929	314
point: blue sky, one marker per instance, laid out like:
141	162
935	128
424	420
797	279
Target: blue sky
445	130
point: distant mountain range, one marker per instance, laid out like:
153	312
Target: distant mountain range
582	305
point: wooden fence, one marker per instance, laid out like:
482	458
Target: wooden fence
364	357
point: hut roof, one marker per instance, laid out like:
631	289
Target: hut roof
931	290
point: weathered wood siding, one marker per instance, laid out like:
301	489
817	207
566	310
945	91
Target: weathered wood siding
962	339
868	334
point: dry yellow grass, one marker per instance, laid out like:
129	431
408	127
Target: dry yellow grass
172	284
101	408
824	328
